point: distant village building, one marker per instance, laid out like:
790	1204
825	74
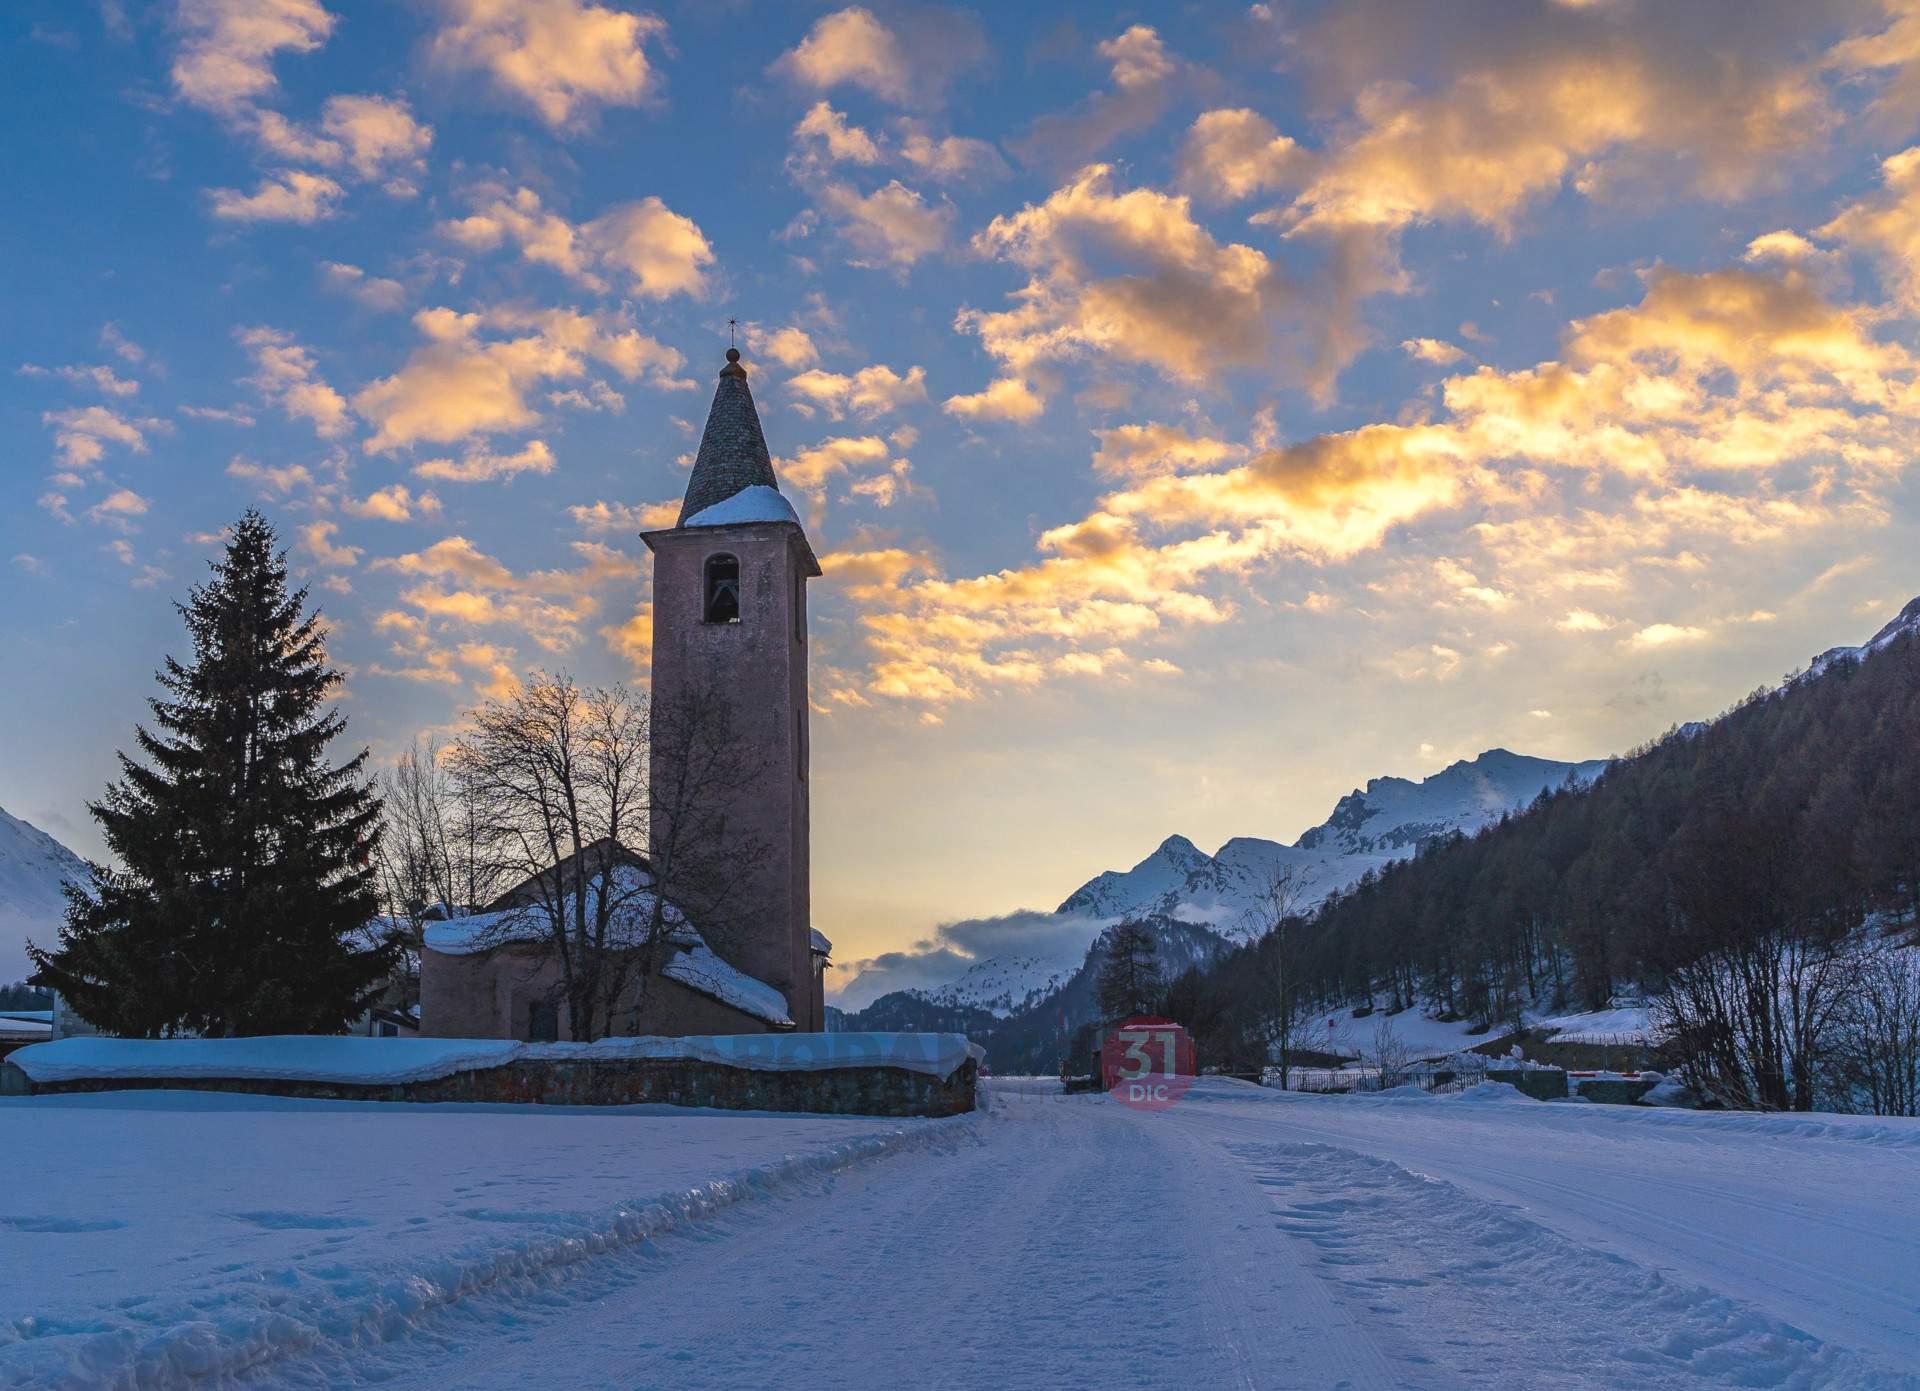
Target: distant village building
729	641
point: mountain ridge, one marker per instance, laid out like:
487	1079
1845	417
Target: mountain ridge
32	867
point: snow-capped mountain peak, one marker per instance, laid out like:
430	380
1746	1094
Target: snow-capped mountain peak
1905	622
1370	827
33	865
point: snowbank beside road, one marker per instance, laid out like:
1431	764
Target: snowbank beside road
160	1238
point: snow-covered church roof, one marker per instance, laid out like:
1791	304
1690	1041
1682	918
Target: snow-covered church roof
692	962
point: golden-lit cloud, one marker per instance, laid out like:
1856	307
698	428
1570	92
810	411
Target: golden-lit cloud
565	59
850	47
482	465
1236	153
656	251
393	503
891	227
1886	225
458	586
372	291
462	384
287	375
292	195
369	137
1736	407
1005	398
870	392
101	378
1142	75
1142	451
225	60
600	517
1130	276
316	539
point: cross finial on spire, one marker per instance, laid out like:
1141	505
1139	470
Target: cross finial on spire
730	324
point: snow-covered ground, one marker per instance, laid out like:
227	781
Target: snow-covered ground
149	1237
1243	1238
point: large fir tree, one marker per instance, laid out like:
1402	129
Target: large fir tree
245	867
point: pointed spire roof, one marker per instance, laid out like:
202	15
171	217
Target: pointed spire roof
733	453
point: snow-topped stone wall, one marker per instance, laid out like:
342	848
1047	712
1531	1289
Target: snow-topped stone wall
873	1074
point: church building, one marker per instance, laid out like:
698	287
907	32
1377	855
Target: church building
729	775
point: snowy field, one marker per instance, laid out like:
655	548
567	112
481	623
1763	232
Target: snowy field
1244	1238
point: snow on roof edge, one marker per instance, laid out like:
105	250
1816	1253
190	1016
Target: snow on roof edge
757	503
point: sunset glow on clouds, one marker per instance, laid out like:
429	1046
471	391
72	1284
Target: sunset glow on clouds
1192	420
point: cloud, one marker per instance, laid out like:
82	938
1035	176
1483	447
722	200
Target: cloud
600	517
1231	154
660	252
1144	451
1432	350
809	469
1007	398
825	137
316	539
225	61
372	291
1730	408
870	392
1666	635
792	347
459	587
891	227
854	48
371	137
222	414
1887	225
118	506
565	59
292	195
1129	276
82	435
393	503
1060	939
286	374
1142	75
281	478
481	465
460	384
838	140
102	379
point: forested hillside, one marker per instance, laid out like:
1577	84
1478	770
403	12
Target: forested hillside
1797	812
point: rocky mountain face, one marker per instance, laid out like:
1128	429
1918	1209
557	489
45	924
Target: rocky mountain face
32	867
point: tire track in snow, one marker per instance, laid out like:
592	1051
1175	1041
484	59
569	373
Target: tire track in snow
1481	1279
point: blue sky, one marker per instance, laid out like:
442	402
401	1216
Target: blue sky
1198	408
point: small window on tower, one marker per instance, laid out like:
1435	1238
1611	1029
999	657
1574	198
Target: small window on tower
723	589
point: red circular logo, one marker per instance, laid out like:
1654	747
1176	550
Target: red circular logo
1147	1064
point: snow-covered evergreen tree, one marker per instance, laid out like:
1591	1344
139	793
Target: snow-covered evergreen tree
245	870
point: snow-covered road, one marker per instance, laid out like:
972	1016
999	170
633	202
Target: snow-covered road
1244	1238
1252	1239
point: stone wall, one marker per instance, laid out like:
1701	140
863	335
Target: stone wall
842	1091
1540	1083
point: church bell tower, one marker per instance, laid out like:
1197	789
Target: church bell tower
730	664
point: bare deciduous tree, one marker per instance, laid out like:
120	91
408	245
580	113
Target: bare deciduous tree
1388	1054
563	784
1272	929
1876	1053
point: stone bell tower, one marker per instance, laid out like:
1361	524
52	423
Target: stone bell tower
730	705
